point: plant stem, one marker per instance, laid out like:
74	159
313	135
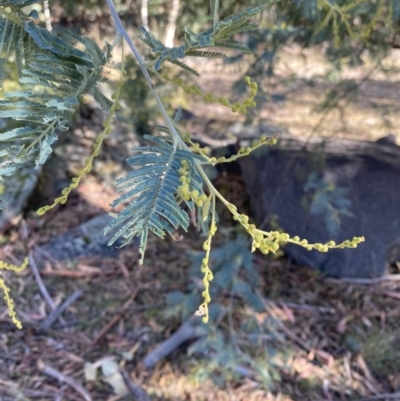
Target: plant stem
121	30
178	141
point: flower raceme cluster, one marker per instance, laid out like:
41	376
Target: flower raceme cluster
6	291
243	151
236	107
184	191
208	275
271	241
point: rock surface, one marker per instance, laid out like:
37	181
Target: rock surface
85	240
293	184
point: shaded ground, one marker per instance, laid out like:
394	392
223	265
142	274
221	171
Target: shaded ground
332	340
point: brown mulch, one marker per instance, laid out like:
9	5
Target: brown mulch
336	340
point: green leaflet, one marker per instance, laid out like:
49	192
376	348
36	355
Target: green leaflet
205	53
152	190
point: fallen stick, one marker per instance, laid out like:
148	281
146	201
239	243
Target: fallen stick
390	277
188	331
61	377
41	285
57	312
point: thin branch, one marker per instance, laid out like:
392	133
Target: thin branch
57	312
61	377
40	283
121	30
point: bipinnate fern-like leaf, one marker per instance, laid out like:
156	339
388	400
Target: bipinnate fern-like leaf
153	187
219	35
57	75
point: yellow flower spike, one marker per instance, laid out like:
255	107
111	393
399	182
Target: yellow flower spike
253	85
275	246
209	98
223	101
203	197
6	291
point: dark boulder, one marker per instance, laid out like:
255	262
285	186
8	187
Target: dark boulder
331	189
